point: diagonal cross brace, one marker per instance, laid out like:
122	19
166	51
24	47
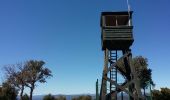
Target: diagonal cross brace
113	65
121	87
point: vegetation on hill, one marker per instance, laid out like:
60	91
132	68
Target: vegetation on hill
27	75
51	97
25	97
83	97
163	94
61	97
8	92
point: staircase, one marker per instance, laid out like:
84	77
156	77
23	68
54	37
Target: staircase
113	73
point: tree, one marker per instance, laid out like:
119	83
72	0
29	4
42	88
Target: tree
35	72
8	92
157	95
16	76
27	74
83	97
49	97
143	72
163	94
61	97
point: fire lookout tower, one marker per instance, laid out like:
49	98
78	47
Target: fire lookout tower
116	30
117	36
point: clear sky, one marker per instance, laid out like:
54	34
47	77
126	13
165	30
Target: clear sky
66	35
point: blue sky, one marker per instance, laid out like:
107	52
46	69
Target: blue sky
66	35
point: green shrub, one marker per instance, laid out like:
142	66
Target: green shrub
8	92
163	94
49	97
61	97
83	97
25	97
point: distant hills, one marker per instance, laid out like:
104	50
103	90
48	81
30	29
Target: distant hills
68	97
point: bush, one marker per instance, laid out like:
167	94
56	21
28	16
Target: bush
25	97
88	97
49	97
163	94
7	92
61	98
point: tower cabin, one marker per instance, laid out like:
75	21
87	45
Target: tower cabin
116	30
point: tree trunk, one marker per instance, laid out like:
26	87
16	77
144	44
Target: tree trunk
22	90
131	89
31	91
144	92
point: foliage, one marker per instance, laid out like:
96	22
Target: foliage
27	74
16	76
142	70
25	97
88	97
8	92
61	98
156	95
49	97
35	72
163	94
140	65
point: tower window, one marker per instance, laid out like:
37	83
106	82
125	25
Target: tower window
117	20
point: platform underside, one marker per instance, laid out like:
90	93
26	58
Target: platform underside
117	44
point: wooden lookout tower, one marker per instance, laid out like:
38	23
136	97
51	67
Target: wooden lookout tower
116	36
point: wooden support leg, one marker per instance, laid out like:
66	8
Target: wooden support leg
104	81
